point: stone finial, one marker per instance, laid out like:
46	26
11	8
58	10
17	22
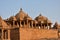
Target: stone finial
40	14
20	9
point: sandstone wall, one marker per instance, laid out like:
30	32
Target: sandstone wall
35	34
14	34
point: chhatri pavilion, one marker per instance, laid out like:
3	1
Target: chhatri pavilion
9	28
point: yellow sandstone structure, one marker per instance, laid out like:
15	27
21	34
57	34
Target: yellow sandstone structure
23	27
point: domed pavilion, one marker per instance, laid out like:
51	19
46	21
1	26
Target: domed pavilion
23	19
43	22
4	32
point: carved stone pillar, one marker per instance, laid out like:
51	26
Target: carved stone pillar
2	34
35	24
13	23
44	26
32	23
41	25
24	23
8	34
47	26
50	26
19	33
5	35
27	23
20	23
17	24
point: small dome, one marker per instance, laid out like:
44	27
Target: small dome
20	15
12	18
27	18
40	18
3	23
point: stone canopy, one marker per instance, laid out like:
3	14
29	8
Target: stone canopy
42	19
23	26
12	18
27	17
20	15
3	23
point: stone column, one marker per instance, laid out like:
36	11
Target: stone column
5	35
41	25
27	23
2	34
32	23
24	23
20	23
50	26
44	26
17	24
13	23
8	34
47	26
35	24
19	33
10	25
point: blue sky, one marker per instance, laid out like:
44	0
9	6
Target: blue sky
48	8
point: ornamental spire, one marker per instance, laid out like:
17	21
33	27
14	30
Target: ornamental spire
20	9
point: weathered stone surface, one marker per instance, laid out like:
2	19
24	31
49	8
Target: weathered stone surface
14	35
36	34
23	27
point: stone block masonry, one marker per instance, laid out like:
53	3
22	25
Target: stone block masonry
35	34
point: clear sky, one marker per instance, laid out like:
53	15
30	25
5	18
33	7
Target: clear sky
48	8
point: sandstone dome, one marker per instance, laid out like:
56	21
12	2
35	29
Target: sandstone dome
20	15
3	23
42	19
12	18
27	17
